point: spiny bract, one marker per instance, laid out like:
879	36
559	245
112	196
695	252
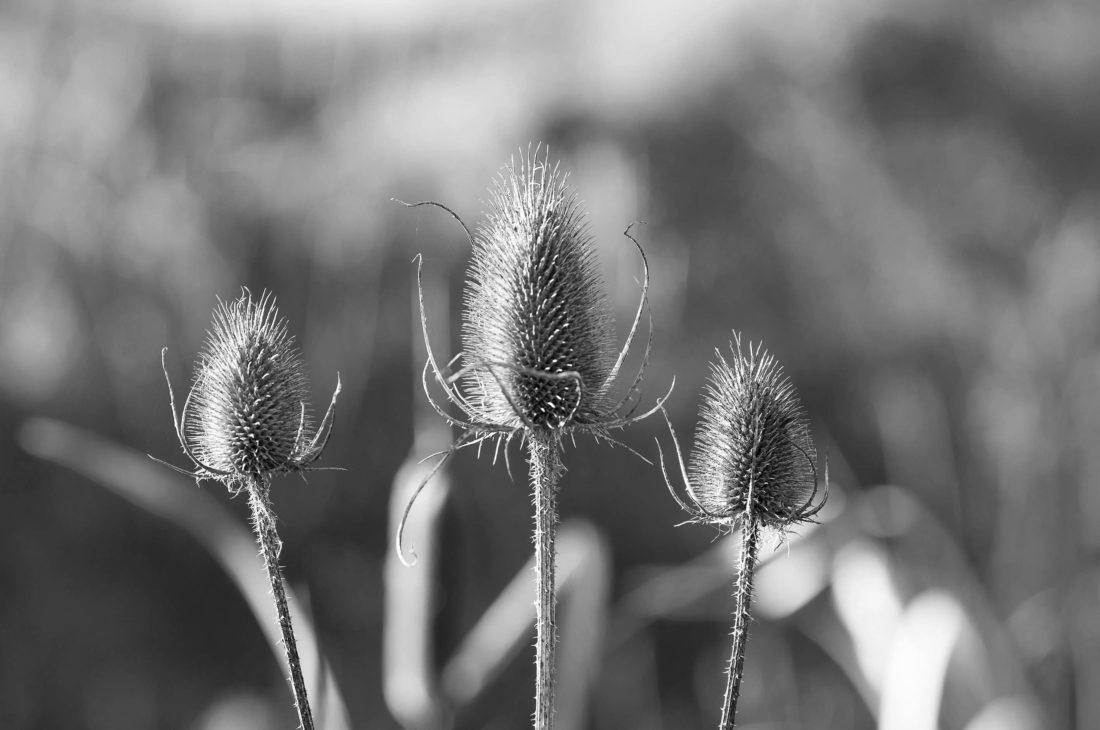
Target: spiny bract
752	431
534	306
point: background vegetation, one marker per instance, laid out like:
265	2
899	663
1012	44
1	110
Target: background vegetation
900	199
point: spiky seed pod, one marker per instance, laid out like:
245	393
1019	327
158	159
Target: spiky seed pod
753	466
534	304
753	431
538	360
247	415
245	418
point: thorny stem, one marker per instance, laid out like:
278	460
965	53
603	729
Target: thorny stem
263	521
746	562
544	457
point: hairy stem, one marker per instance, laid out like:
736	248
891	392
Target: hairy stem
544	457
263	521
746	563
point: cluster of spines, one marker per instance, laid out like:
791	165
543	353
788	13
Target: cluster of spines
753	450
534	306
247	413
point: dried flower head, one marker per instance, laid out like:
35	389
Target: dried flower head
753	452
535	306
537	331
246	415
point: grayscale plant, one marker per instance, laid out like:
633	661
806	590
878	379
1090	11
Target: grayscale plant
245	418
539	359
753	466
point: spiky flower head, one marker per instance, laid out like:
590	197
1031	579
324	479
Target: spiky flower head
537	332
753	451
539	360
247	414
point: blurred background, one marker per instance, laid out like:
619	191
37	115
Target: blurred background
899	199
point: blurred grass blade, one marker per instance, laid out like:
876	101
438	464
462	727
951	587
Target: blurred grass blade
582	590
582	618
1015	712
785	585
926	636
133	477
699	588
409	680
410	683
868	605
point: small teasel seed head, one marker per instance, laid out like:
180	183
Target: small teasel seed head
537	331
753	430
246	414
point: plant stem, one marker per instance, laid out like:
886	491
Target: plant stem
544	458
263	521
746	563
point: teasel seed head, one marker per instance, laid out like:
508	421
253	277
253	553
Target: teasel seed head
539	359
250	385
753	431
753	456
247	414
534	306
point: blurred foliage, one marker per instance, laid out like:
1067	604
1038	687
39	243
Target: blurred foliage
901	200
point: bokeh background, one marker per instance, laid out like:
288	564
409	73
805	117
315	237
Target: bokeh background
899	199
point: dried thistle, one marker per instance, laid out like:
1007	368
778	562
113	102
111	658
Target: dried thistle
246	415
535	304
754	465
245	418
539	360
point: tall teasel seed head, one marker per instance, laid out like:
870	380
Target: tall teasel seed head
753	451
539	357
534	306
247	414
